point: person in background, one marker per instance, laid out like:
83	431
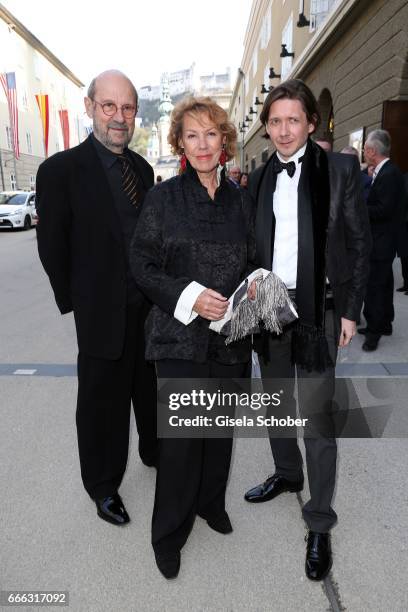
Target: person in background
192	247
89	200
243	182
404	256
365	178
234	175
386	210
324	144
370	171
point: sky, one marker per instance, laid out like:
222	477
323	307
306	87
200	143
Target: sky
143	38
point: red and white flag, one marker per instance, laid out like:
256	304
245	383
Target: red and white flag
8	80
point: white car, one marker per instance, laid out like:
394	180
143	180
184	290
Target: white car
17	209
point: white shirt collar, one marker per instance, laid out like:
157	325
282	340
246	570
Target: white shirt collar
295	157
380	165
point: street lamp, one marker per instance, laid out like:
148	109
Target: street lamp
285	52
302	21
243	127
272	73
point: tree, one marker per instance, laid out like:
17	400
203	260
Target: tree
140	141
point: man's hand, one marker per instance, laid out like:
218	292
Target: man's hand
348	330
211	305
251	293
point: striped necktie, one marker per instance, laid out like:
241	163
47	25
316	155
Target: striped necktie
129	179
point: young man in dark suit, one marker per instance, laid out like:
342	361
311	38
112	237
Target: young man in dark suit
311	230
88	201
386	210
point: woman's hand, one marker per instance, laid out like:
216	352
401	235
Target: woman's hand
211	305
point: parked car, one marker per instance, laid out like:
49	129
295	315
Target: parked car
17	209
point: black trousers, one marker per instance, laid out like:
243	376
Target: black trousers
404	270
192	473
379	299
315	394
106	389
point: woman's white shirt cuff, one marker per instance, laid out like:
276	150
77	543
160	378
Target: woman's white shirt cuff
184	307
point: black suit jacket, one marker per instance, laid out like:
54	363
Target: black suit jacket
81	247
348	240
386	209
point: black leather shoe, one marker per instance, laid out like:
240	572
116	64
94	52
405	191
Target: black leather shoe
402	289
371	342
111	509
168	563
222	524
318	555
272	487
365	331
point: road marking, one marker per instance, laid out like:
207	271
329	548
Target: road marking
350	370
50	370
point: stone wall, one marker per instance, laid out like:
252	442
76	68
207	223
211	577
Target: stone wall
365	66
27	165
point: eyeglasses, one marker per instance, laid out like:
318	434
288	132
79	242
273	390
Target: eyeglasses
110	109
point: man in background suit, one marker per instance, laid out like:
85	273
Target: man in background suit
402	247
386	211
234	175
311	226
88	201
365	178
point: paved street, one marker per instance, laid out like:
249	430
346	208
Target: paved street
51	538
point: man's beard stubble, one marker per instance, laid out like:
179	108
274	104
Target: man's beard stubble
102	134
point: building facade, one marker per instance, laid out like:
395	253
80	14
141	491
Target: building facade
353	54
187	81
46	126
180	82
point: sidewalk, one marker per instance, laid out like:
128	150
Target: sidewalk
51	538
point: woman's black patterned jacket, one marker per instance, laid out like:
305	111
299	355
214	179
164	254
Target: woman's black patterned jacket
184	236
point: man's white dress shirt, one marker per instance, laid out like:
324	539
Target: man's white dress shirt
285	208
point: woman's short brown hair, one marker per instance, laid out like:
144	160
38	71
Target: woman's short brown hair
195	107
294	89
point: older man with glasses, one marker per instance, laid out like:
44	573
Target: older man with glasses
89	200
234	175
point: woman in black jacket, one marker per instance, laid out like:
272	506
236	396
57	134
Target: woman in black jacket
193	245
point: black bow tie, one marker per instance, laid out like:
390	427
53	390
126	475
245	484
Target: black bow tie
278	166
